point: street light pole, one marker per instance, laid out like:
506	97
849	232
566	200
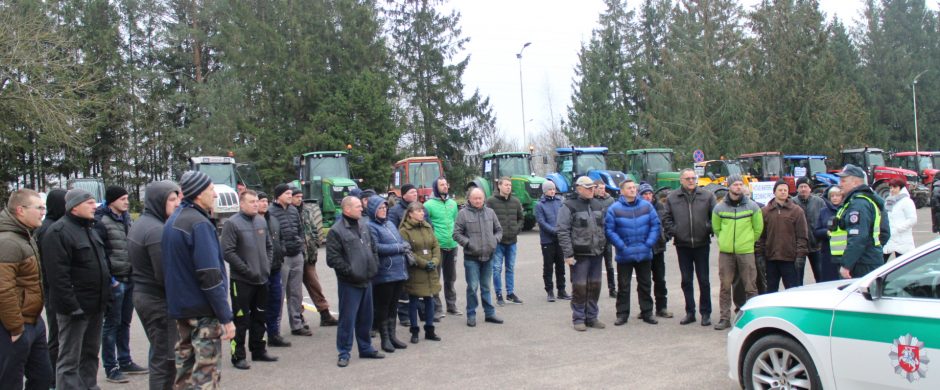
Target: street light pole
521	94
914	97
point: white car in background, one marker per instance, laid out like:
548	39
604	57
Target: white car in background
876	332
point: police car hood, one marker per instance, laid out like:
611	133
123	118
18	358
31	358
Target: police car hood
817	296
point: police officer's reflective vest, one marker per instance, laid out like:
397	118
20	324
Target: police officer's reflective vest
839	238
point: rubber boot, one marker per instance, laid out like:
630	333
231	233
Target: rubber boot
386	343
414	334
429	333
390	325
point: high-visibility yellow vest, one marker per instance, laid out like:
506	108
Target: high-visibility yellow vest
839	239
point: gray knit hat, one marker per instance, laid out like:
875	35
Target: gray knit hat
75	197
548	185
194	183
735	178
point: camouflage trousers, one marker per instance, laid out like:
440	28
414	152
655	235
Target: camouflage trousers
198	354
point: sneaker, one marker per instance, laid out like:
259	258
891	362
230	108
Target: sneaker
134	369
580	327
551	296
512	298
499	300
116	376
596	324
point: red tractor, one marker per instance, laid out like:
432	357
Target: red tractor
872	160
927	164
419	172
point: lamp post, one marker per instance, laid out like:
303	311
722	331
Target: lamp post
521	94
914	97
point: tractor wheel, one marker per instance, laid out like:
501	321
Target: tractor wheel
317	216
883	190
528	223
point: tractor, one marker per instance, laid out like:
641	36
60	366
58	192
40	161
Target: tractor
225	177
713	176
325	181
927	164
417	171
813	167
572	162
656	167
872	161
525	185
766	166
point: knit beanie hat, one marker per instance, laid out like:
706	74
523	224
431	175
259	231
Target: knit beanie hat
645	187
407	187
75	197
802	180
194	183
114	193
280	189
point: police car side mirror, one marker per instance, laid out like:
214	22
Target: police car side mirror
874	289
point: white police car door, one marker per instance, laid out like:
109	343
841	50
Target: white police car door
892	341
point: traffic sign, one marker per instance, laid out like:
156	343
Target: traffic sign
698	155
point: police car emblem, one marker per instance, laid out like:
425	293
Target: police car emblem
909	358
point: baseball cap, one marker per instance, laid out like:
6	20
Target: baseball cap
852	170
585	182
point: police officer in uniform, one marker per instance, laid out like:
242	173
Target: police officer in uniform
860	227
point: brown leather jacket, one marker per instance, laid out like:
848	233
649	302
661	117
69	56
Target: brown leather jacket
785	235
20	288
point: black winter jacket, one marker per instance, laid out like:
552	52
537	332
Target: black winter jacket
112	229
277	249
351	252
687	217
247	248
509	213
292	232
74	261
144	238
581	227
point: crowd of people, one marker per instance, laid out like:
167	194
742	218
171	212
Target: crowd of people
90	267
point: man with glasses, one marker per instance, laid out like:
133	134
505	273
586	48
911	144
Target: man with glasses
687	218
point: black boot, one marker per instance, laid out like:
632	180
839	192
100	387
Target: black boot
414	334
390	325
429	333
386	343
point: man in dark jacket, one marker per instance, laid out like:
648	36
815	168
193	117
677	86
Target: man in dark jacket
113	221
247	248
600	192
144	242
352	255
632	226
935	206
80	286
582	240
275	289
23	350
658	264
292	241
408	194
508	211
811	206
311	280
546	214
855	238
688	220
196	285
55	209
478	231
784	238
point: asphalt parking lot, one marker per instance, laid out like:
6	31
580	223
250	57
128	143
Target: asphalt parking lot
535	348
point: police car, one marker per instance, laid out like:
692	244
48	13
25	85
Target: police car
880	331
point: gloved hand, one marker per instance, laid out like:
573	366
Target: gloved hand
405	247
430	267
410	257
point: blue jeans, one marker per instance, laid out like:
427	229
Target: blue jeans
479	276
116	332
27	357
586	288
413	310
275	304
355	319
507	252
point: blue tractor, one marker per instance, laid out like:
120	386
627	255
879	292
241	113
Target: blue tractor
813	167
574	162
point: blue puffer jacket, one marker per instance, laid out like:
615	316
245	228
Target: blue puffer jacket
633	228
388	242
546	214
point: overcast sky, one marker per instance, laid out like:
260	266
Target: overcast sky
556	28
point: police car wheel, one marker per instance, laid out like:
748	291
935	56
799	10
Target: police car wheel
778	362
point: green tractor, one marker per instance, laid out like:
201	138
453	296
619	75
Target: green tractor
525	186
325	180
656	167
